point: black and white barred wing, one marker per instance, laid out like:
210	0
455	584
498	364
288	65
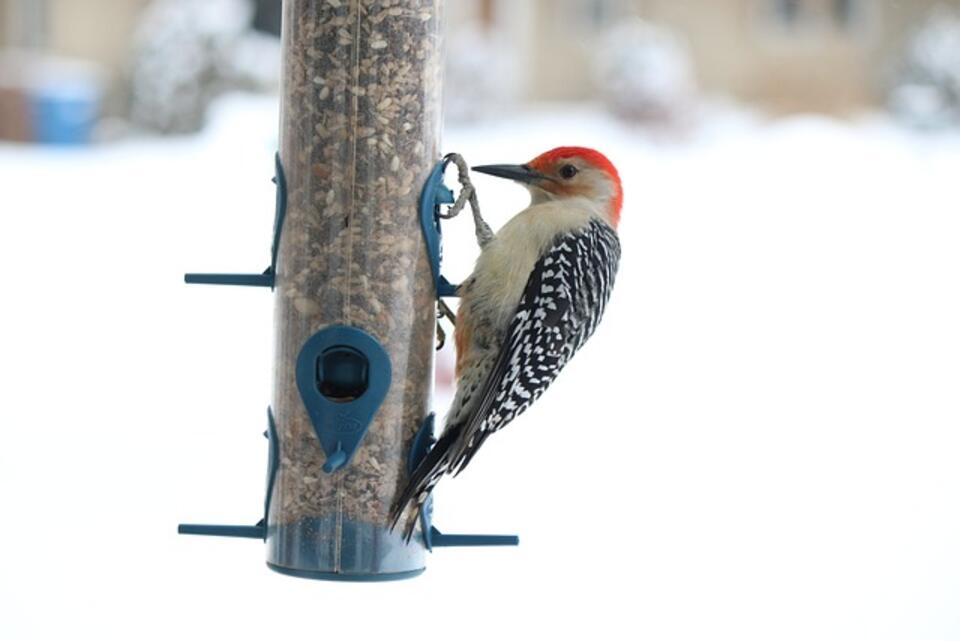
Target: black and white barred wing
561	306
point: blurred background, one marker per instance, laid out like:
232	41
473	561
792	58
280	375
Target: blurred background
761	441
93	70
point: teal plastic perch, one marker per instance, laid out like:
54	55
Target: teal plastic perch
236	531
269	276
266	279
438	539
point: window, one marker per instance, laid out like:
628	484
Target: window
806	17
845	13
267	16
788	12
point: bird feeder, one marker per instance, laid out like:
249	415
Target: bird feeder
355	274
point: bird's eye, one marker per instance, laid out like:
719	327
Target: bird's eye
568	171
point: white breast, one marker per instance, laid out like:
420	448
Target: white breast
506	261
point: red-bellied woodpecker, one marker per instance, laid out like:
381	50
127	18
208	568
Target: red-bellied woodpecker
536	295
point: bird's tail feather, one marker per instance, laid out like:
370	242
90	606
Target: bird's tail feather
434	465
465	455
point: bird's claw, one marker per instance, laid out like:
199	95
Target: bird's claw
443	311
441	337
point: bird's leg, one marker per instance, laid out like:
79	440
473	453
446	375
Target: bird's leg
446	312
443	311
441	336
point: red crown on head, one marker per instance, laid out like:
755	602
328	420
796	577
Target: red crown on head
593	157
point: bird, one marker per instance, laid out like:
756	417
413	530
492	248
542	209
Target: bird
537	292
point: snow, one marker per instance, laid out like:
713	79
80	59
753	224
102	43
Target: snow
645	73
927	90
186	53
759	443
481	76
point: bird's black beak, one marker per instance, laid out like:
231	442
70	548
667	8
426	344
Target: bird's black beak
520	173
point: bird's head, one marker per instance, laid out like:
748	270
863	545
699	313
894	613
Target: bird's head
568	172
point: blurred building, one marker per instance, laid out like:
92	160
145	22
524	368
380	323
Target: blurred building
155	63
787	55
94	30
99	31
795	55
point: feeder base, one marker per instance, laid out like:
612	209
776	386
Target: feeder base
335	576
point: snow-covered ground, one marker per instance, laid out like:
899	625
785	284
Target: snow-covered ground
761	441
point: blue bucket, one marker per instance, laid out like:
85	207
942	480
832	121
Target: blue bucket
65	114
